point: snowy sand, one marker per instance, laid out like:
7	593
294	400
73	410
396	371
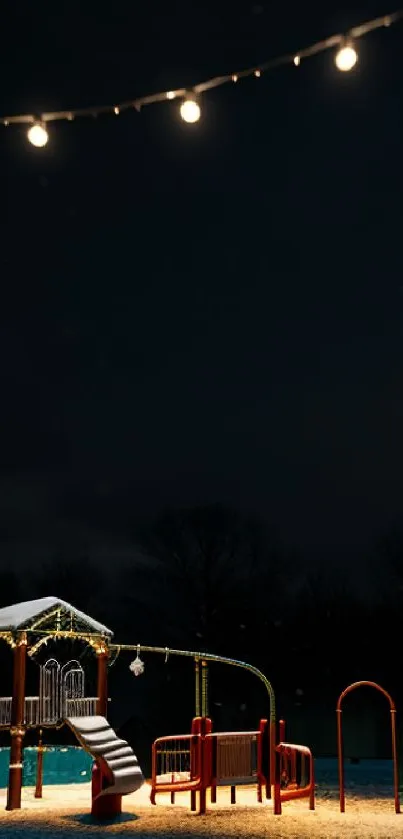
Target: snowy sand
65	810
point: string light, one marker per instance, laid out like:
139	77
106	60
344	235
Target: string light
38	135
346	58
190	109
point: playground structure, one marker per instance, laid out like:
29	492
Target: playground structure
193	762
206	760
61	699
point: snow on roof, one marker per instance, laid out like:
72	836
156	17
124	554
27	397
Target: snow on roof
21	615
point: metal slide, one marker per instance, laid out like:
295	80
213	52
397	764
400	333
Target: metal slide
116	758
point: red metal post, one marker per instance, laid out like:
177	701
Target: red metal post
340	759
312	782
262	771
153	773
201	759
272	759
102	682
106	806
284	767
277	784
213	757
205	761
194	759
395	761
17	724
39	768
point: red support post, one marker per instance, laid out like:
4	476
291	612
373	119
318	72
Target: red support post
312	779
104	806
205	760
277	784
272	759
39	768
17	721
262	770
102	681
395	761
340	759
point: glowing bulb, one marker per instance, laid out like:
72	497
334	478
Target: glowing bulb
297	60
190	110
38	135
171	94
346	58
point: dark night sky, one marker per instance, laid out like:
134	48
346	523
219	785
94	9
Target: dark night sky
208	313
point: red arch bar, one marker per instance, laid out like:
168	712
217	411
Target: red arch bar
340	751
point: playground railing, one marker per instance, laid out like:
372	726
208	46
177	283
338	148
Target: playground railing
31	711
203	760
5	710
294	775
235	759
38	712
176	764
85	706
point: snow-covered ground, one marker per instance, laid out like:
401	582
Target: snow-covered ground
369	812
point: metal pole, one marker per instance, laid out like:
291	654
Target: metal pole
197	687
204	712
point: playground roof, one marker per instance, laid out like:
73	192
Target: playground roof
32	614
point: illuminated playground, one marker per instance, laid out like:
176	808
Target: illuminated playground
197	763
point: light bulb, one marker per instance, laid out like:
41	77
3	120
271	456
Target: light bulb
346	58
38	135
190	110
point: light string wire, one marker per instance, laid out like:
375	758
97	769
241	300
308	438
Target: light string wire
217	81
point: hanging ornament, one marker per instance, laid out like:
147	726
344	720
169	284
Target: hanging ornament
137	666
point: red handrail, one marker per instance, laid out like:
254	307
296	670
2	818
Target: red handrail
290	752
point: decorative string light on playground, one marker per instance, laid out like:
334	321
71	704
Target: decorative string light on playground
346	58
190	109
38	135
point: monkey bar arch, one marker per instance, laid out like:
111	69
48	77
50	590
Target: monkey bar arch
340	745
